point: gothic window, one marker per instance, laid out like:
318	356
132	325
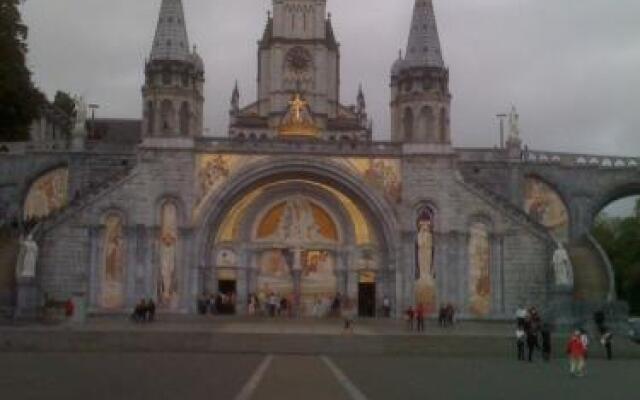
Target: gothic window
304	21
184	119
151	117
407	122
185	79
166	77
426	125
408	85
444	125
167	117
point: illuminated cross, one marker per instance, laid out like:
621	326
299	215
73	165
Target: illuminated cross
297	105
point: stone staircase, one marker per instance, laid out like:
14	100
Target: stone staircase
86	199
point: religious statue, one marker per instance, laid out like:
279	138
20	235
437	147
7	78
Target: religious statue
562	268
425	251
80	117
27	258
514	123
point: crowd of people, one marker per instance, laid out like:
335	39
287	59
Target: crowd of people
415	316
217	304
533	335
144	311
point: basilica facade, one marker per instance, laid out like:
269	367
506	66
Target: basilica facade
298	200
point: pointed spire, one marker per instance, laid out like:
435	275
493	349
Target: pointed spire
361	103
171	41
235	99
423	48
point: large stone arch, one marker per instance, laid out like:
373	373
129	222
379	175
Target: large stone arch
374	206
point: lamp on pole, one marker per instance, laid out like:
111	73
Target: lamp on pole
502	117
93	108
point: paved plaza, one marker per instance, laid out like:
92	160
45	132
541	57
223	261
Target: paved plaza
265	377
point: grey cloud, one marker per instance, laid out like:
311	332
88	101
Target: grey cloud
570	67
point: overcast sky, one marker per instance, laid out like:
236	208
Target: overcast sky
571	67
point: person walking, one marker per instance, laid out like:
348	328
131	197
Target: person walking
607	342
520	342
420	314
576	352
386	307
521	316
410	316
348	315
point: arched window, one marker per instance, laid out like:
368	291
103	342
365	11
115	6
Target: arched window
166	77
168	117
479	269
426	129
407	123
444	126
185	115
151	118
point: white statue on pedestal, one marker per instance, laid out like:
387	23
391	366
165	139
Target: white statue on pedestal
27	258
80	123
562	268
514	124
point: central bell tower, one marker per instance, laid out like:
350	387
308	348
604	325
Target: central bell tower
298	58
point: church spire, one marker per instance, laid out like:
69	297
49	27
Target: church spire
423	48
171	41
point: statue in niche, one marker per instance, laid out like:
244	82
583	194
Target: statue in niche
424	244
27	258
425	284
167	287
562	268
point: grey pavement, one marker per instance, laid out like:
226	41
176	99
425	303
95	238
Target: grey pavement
193	376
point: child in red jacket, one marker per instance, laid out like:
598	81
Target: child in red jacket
576	352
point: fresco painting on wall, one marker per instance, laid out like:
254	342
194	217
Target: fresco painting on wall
212	171
113	263
274	273
425	271
546	207
319	283
297	220
382	174
47	194
479	270
167	279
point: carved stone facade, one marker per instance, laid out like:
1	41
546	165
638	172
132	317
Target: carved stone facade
414	220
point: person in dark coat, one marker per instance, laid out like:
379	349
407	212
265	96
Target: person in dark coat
532	342
151	310
607	342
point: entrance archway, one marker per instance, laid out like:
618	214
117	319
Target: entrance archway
302	231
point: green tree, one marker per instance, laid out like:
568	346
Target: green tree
620	237
19	99
64	101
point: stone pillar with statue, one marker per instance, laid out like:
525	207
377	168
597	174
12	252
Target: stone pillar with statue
27	299
562	285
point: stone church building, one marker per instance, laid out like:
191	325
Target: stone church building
299	200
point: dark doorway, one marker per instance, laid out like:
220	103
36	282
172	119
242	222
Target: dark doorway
367	300
226	299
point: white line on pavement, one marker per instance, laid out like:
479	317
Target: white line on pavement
254	381
353	391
